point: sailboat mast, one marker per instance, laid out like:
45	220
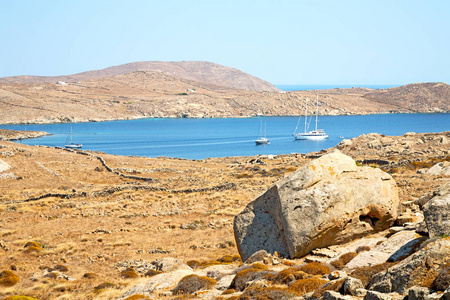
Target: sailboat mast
306	113
317	109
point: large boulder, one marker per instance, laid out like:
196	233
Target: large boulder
328	201
419	269
437	212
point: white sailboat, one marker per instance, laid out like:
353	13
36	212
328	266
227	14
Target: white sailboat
316	134
262	140
69	143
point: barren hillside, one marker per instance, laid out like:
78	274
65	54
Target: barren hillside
144	94
193	70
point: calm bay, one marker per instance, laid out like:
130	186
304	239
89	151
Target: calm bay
202	138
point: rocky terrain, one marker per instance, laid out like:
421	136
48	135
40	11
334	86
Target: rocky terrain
192	90
87	225
10	135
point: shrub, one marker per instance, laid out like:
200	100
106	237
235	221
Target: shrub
227	259
193	263
152	272
315	268
365	274
137	297
129	273
267	293
105	285
343	260
334	285
240	280
229	291
304	286
89	275
362	249
192	283
289	275
33	247
61	268
442	281
8	278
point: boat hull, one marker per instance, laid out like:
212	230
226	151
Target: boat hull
74	146
311	137
262	141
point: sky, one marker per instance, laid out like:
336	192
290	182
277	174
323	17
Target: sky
284	42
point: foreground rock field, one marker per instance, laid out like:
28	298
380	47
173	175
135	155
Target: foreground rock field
87	225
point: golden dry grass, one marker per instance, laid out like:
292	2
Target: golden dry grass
105	219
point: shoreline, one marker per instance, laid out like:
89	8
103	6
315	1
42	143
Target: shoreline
224	117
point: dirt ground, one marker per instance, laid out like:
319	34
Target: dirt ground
90	212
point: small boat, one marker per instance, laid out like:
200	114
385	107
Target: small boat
316	134
262	140
69	144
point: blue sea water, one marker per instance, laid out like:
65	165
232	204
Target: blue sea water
297	87
202	138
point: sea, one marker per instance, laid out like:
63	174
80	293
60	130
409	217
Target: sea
297	87
203	138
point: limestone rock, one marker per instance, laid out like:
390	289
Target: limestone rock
4	166
158	282
332	295
418	293
446	295
329	201
437	213
351	285
440	169
414	269
395	247
169	264
372	295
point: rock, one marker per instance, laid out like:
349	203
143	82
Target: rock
157	283
425	264
418	293
224	282
337	274
4	166
257	256
434	296
360	292
332	295
396	247
372	295
329	201
446	295
169	264
440	169
437	213
440	191
351	285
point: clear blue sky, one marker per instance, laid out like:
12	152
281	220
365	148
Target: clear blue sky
283	42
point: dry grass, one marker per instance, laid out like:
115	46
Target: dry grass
8	278
315	268
304	286
343	260
193	283
365	274
111	219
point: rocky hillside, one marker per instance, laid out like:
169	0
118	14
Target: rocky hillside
194	93
431	96
193	70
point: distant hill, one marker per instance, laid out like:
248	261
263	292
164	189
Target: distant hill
427	96
200	71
